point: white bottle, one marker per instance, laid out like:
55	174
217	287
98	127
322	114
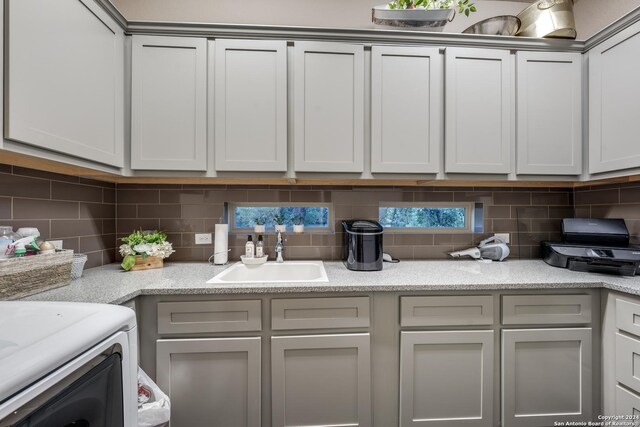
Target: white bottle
260	247
249	248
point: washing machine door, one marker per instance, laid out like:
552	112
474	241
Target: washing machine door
92	397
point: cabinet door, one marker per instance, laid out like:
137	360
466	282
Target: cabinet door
328	107
65	79
549	113
211	381
478	110
321	380
169	103
250	104
614	102
406	105
446	379
546	376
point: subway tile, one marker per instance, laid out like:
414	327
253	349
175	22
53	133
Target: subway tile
72	243
175	239
97	243
35	173
473	196
182	225
453	239
582	212
511	225
127	225
498	212
597	197
221	196
43	225
355	197
188	254
554	225
433	196
75	192
334	239
108	256
432	252
324	253
20	186
5	208
561	212
109	226
127	211
75	227
94	259
97	210
400	252
627	211
310	196
182	196
555	199
365	212
44	209
512	198
529	211
275	196
412	239
108	195
189	240
528	239
97	183
202	211
4	168
159	211
149	186
630	195
137	196
343	211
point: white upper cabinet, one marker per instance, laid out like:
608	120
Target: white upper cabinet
169	103
614	102
478	107
65	79
549	113
406	106
250	97
328	107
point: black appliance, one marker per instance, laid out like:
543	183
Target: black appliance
594	245
362	245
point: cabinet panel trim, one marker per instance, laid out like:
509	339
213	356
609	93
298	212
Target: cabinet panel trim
546	309
439	311
319	313
209	316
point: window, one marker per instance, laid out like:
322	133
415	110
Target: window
314	216
432	217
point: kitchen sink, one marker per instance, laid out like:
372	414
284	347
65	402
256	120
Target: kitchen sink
273	272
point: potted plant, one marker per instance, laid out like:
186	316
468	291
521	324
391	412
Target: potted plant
298	222
280	219
259	224
428	15
143	250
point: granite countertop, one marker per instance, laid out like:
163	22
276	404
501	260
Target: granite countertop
109	284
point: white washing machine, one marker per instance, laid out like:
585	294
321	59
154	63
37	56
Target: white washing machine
67	365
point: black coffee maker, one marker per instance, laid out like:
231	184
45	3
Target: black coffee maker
362	245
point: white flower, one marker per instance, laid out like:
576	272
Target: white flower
143	248
126	250
161	250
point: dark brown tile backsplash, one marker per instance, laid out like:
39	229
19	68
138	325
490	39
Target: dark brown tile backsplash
80	212
90	216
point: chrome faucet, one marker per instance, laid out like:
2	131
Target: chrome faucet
279	248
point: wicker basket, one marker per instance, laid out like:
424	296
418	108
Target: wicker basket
24	276
78	266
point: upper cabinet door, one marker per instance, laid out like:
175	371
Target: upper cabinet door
329	107
549	113
406	105
250	96
478	111
169	103
614	100
65	79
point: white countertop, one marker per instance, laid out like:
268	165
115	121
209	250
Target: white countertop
110	284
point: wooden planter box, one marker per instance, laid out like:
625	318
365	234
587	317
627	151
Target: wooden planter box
24	276
147	263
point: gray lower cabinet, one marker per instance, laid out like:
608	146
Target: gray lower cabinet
321	380
446	378
169	103
328	107
211	381
478	110
64	78
613	103
546	376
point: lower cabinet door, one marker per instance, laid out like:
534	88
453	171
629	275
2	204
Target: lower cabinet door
546	376
211	381
446	379
321	380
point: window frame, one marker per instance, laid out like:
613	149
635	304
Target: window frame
231	207
471	217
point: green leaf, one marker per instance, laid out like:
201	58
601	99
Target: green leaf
128	262
466	12
472	8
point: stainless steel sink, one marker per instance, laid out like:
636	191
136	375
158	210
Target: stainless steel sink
273	272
